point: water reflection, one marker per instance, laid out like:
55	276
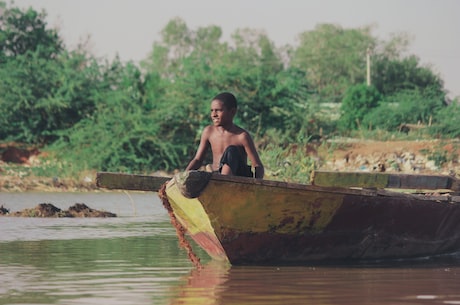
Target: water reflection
133	270
203	286
222	284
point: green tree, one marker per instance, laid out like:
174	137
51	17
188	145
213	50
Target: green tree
333	58
391	75
42	96
123	133
23	31
359	100
44	88
447	121
27	98
406	107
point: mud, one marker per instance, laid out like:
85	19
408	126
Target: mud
49	210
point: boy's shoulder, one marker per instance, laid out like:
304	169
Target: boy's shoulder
240	130
211	130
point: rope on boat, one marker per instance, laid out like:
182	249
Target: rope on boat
180	230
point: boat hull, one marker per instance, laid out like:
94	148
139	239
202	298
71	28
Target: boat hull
248	221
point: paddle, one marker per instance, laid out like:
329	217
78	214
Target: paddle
130	182
384	180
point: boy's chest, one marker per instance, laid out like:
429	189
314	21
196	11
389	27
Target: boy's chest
221	142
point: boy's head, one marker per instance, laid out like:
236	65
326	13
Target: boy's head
228	99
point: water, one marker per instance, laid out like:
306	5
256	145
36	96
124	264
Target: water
135	259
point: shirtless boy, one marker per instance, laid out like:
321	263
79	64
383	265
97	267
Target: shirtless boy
230	145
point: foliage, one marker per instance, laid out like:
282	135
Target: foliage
405	107
393	75
333	58
44	88
43	96
447	121
289	164
121	135
358	101
22	32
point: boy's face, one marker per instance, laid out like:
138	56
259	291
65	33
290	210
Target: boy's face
220	115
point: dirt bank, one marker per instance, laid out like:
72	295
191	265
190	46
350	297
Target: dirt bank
427	157
424	157
14	181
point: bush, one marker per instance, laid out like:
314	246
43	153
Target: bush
447	121
359	100
290	164
405	107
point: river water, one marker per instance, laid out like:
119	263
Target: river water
135	259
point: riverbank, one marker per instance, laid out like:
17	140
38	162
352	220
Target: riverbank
440	157
433	157
14	181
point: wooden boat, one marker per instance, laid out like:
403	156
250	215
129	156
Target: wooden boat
340	217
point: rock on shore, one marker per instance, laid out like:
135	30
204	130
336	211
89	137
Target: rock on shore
49	210
411	157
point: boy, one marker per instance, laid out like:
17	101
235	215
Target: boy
230	145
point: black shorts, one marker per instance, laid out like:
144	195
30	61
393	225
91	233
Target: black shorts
232	157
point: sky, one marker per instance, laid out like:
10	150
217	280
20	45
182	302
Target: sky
128	28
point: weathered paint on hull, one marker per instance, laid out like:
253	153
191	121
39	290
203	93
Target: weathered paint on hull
358	231
190	213
247	222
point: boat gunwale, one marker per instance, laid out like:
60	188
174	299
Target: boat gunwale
368	192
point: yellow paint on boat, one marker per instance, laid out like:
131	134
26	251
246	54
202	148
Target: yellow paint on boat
225	210
258	208
189	211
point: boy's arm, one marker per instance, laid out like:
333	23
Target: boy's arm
194	164
251	151
259	172
197	161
